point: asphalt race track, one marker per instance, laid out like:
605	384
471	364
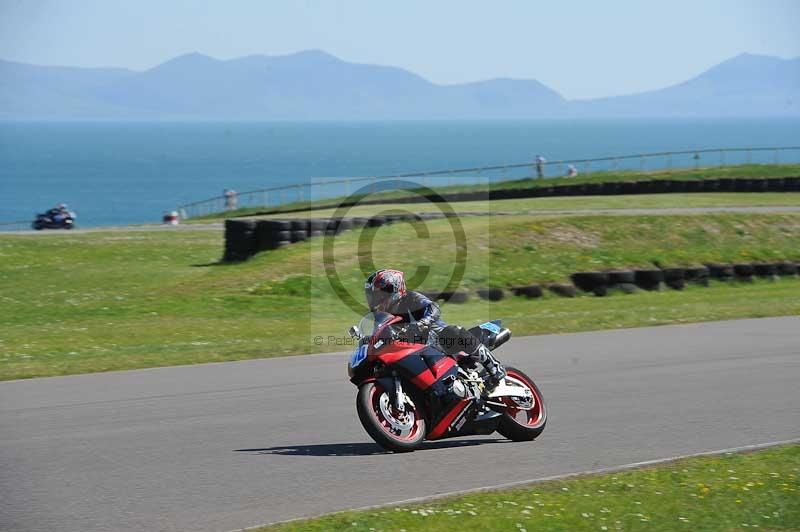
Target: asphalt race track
224	446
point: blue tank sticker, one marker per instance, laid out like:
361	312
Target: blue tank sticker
358	356
491	327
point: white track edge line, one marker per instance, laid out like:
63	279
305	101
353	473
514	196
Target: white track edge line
508	485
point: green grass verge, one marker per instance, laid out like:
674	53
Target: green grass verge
573	204
750	171
77	303
727	492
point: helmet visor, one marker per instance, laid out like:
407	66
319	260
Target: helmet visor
375	298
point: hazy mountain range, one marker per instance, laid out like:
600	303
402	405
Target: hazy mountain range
314	85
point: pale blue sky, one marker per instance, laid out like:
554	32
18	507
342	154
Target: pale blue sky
580	48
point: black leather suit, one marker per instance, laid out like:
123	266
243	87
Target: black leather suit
417	309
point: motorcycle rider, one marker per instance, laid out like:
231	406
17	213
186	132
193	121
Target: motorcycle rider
59	213
385	291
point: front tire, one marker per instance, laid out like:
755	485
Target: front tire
392	430
521	424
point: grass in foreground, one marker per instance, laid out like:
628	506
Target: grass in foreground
78	303
756	490
686	174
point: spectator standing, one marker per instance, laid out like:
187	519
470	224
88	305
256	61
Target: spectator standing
230	199
540	166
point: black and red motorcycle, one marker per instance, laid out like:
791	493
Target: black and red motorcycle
410	391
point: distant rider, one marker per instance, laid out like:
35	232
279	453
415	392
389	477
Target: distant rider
59	213
385	291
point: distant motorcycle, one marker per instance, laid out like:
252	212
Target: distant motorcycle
411	392
46	221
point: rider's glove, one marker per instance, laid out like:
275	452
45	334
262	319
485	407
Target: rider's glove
423	324
415	332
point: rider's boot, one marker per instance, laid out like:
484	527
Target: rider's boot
493	367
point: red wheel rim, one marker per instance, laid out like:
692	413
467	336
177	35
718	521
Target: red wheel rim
530	417
411	434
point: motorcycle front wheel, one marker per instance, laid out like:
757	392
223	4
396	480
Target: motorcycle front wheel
391	429
520	423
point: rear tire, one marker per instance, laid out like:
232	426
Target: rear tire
519	424
379	427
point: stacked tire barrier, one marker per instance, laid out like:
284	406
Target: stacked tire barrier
601	283
614	188
676	278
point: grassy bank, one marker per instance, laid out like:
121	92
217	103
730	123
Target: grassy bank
729	492
76	303
440	185
574	204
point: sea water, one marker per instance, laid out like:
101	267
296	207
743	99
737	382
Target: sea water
125	173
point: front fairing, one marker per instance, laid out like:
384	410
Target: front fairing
373	328
357	367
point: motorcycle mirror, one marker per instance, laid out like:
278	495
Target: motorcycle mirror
354	332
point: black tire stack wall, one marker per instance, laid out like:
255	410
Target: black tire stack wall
720	272
743	272
240	240
649	279
622	280
530	291
786	269
594	282
491	294
697	275
765	270
675	278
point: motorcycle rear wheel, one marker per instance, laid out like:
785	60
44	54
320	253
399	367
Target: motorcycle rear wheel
520	424
392	430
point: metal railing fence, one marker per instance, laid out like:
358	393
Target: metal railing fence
327	188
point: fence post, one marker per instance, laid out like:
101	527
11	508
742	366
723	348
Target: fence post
777	158
749	156
722	158
616	164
